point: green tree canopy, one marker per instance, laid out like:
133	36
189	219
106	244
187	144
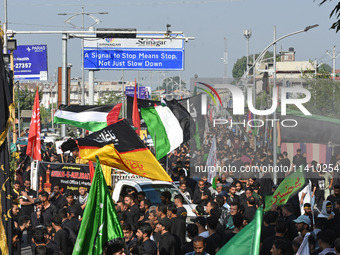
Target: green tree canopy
241	64
171	84
336	13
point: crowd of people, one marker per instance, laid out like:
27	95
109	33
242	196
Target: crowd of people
224	205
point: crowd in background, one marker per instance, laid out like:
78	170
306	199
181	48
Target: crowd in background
224	205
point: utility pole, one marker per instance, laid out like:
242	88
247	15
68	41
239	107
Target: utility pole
96	21
225	61
334	57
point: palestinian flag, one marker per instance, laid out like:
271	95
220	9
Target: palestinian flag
89	117
119	146
169	126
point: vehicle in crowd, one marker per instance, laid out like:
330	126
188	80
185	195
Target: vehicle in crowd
152	189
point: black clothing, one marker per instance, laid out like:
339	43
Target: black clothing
58	202
227	237
62	240
299	160
249	212
35	221
188	247
213	242
231	199
27	209
191	183
49	213
291	231
267	231
76	209
167	244
198	194
178	230
132	215
268	243
181	213
150	247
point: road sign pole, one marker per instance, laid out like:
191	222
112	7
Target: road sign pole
64	84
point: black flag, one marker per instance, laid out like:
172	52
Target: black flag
6	103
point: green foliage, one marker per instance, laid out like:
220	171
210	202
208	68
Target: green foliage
172	83
110	97
325	69
241	64
325	95
26	98
239	68
336	13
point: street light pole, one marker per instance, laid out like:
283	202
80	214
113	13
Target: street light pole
275	123
96	21
247	35
261	55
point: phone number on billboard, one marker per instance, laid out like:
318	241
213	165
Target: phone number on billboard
22	65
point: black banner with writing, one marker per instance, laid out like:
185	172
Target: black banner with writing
68	176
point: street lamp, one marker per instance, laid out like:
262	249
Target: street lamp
258	60
83	28
247	35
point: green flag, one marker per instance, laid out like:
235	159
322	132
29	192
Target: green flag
287	188
247	241
100	222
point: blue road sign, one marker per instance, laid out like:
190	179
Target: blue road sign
155	59
30	62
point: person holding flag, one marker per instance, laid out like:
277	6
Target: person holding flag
100	223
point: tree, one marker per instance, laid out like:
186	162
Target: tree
325	69
325	95
336	13
241	64
171	84
110	98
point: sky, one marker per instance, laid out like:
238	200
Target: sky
208	21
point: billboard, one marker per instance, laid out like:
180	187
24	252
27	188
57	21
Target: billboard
30	62
142	92
134	54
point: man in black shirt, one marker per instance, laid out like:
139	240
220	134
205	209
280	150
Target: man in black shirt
57	198
181	211
129	237
73	206
36	217
334	196
166	245
298	159
144	209
213	241
201	194
27	198
132	213
287	212
143	234
178	227
61	237
49	210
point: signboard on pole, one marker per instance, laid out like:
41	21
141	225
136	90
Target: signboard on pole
134	54
30	62
68	176
141	93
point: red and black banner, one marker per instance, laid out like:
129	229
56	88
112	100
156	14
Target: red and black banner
69	176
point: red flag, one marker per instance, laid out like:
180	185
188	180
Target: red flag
113	115
135	112
34	143
92	170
